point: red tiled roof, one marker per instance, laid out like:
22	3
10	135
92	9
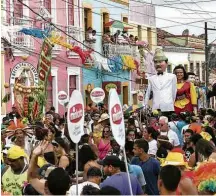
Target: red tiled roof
162	41
161	38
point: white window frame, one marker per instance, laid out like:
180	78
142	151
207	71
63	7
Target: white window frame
54	74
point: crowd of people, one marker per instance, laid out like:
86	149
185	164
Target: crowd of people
120	37
165	155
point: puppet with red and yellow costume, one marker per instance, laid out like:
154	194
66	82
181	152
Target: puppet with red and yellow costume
186	98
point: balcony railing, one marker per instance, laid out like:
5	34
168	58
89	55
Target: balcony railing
75	32
21	22
20	40
110	50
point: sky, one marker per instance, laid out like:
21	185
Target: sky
187	11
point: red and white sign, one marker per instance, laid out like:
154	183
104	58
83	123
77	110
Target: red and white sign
62	97
97	95
75	116
116	117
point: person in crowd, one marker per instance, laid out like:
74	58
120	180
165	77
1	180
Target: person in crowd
165	130
101	123
210	131
115	149
193	140
185	186
169	179
136	170
58	180
186	99
149	165
163	85
94	176
62	152
90	190
153	122
130	135
188	149
118	179
109	190
14	175
150	135
194	125
164	147
87	158
104	143
20	135
173	126
204	150
181	122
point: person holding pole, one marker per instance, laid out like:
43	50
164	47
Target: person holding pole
117	179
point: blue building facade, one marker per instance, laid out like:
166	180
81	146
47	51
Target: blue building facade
96	15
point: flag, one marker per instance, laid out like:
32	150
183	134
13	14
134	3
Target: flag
44	69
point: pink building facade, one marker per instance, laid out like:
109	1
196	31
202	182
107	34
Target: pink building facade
66	71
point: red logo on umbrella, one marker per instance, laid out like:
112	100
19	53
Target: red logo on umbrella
116	114
76	113
97	93
62	97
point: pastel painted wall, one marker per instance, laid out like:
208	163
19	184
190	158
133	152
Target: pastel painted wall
116	11
63	65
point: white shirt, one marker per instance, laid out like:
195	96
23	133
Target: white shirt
173	137
164	91
152	147
72	190
184	129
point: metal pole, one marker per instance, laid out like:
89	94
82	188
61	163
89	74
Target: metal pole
77	181
128	174
206	54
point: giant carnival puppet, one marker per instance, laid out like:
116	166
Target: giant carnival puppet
186	98
163	85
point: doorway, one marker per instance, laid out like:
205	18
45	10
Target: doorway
125	95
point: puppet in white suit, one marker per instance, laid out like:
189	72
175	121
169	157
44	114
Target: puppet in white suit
163	85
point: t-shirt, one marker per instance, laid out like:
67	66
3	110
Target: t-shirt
152	147
173	126
120	182
72	190
136	170
173	138
151	169
188	152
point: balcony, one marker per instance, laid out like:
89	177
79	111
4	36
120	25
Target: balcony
110	50
20	40
75	32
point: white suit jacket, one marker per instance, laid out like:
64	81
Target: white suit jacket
164	89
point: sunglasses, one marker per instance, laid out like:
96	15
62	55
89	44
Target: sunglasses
54	143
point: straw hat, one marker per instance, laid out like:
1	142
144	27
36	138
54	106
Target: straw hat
174	158
159	55
103	117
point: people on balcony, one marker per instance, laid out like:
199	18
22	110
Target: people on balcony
90	35
107	38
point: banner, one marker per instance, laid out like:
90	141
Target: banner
116	117
75	116
97	95
44	69
62	97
